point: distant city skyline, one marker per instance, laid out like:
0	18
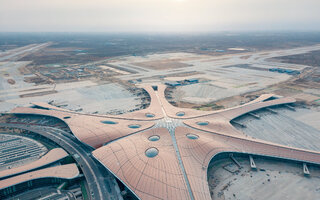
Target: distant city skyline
158	15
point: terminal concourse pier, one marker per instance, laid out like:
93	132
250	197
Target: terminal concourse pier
163	152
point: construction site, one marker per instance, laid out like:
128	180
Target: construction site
211	123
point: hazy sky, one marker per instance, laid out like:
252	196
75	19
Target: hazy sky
159	15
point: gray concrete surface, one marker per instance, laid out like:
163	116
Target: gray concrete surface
282	129
16	151
276	181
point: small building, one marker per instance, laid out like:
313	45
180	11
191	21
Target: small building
132	81
295	72
192	80
272	69
155	87
172	83
287	71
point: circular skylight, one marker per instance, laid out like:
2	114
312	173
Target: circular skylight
192	136
149	115
154	138
202	123
109	122
152	152
180	114
134	126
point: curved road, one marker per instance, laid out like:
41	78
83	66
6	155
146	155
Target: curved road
100	186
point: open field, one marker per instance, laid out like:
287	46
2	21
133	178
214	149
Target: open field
223	80
22	84
161	64
86	96
223	84
312	59
226	85
82	48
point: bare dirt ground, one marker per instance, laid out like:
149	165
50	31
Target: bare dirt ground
65	55
84	96
161	64
304	88
312	59
220	92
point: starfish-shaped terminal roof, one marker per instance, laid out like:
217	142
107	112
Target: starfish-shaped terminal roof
163	152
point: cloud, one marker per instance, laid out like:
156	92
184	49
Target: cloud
158	15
